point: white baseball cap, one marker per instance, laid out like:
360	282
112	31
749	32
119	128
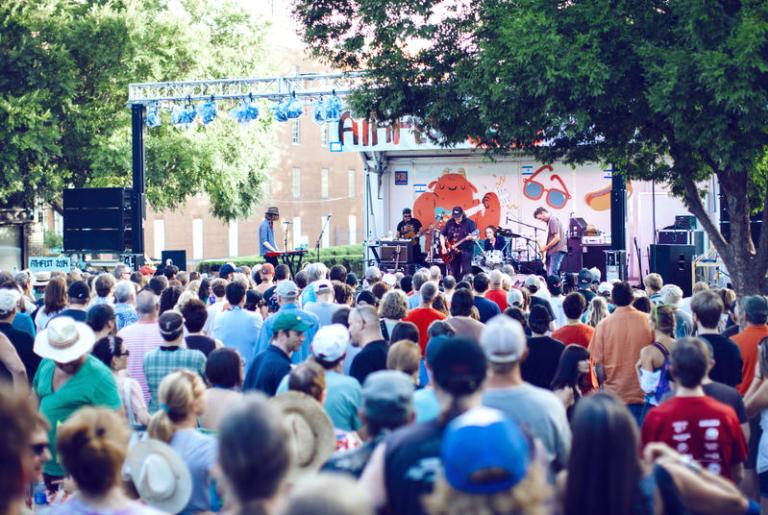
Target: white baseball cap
503	340
330	343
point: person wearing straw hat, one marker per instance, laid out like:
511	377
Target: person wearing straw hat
159	475
68	379
310	429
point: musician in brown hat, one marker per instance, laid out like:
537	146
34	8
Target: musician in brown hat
267	235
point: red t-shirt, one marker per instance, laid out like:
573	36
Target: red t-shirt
499	297
580	334
701	427
422	317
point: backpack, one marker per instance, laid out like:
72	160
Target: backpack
663	389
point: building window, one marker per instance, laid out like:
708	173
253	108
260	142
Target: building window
324	135
158	226
324	183
297	239
296	131
296	183
351	183
326	240
233	239
352	229
197	238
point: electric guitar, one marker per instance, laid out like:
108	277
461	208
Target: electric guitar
452	249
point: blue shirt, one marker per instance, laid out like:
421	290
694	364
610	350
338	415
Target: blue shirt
323	310
125	315
425	405
267	370
265	335
266	235
343	396
23	322
238	329
414	301
486	308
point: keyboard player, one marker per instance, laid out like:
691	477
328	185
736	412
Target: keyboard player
267	235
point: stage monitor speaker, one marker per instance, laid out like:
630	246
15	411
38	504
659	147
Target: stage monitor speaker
675	265
177	257
572	261
594	256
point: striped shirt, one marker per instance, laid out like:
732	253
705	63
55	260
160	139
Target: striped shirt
160	362
139	339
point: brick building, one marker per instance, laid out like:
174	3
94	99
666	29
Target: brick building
308	184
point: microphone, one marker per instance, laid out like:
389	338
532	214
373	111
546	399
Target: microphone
329	215
286	222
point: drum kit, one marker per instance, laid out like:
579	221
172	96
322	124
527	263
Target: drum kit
517	249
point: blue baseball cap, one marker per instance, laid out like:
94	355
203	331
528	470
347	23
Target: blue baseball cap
484	452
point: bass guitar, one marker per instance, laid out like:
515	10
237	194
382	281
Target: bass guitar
452	249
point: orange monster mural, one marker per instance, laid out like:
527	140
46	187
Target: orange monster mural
454	189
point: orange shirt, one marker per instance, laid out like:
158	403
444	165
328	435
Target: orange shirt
748	341
499	297
616	346
580	334
423	317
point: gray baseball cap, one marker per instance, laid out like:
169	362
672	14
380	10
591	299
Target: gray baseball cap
388	396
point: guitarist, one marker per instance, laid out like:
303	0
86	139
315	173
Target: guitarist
557	245
410	228
456	229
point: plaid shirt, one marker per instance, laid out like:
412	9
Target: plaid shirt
161	361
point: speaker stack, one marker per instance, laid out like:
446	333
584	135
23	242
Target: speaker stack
97	220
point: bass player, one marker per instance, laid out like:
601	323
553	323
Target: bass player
456	243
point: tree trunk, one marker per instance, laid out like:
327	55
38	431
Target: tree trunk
746	263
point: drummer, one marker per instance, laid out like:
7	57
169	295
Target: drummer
492	241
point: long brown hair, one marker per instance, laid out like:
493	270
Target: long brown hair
55	298
604	469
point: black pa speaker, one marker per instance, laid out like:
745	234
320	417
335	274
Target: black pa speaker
97	219
177	257
675	265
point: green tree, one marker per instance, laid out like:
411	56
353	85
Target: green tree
64	122
671	91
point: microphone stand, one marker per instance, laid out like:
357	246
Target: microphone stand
320	236
535	234
285	233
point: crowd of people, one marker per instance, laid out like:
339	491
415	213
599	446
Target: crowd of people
253	391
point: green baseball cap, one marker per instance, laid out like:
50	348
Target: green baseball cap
290	321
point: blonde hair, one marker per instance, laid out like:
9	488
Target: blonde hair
185	297
394	305
194	286
177	393
404	356
528	497
598	310
92	446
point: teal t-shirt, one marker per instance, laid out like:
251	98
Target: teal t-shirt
92	385
343	397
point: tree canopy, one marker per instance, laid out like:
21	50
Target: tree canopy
65	68
671	91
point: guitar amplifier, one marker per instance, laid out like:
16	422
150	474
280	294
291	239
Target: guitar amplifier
400	251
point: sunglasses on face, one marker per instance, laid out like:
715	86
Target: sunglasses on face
38	448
